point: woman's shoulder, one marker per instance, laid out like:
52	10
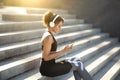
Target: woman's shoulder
46	35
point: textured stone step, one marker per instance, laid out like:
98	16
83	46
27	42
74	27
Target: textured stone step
101	59
77	44
91	50
43	10
19	63
30	17
72	28
13	10
18	26
113	51
30	75
11	37
28	46
25	10
110	70
76	35
35	74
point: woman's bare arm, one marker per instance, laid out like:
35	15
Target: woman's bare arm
47	47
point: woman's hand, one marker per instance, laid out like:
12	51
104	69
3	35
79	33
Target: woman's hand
68	48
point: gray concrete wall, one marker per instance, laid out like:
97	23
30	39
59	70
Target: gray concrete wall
104	14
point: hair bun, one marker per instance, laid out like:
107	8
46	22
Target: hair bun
47	17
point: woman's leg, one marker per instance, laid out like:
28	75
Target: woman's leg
76	75
80	72
58	69
78	65
84	74
75	72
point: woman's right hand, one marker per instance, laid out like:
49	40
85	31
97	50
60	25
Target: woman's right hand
68	48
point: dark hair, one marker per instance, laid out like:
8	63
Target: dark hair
49	16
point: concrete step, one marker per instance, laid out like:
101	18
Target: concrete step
77	27
77	35
11	37
92	49
20	64
73	21
32	10
0	17
106	56
43	10
35	74
15	37
30	17
29	75
102	59
12	10
17	65
110	70
10	50
25	10
30	25
81	43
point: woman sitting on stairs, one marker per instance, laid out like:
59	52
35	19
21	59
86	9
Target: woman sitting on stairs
49	67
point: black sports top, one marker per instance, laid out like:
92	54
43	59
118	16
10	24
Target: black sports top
53	48
54	45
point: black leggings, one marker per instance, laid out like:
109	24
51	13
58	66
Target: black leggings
79	74
61	68
52	69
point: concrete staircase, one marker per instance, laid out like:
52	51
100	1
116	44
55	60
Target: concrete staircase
20	49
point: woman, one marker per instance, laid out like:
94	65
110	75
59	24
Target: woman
49	67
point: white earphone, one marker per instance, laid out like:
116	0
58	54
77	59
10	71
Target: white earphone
52	24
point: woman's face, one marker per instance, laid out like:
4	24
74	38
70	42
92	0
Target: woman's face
57	28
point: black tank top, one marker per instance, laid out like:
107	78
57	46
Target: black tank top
54	44
53	48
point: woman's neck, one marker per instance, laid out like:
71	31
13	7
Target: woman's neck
50	30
